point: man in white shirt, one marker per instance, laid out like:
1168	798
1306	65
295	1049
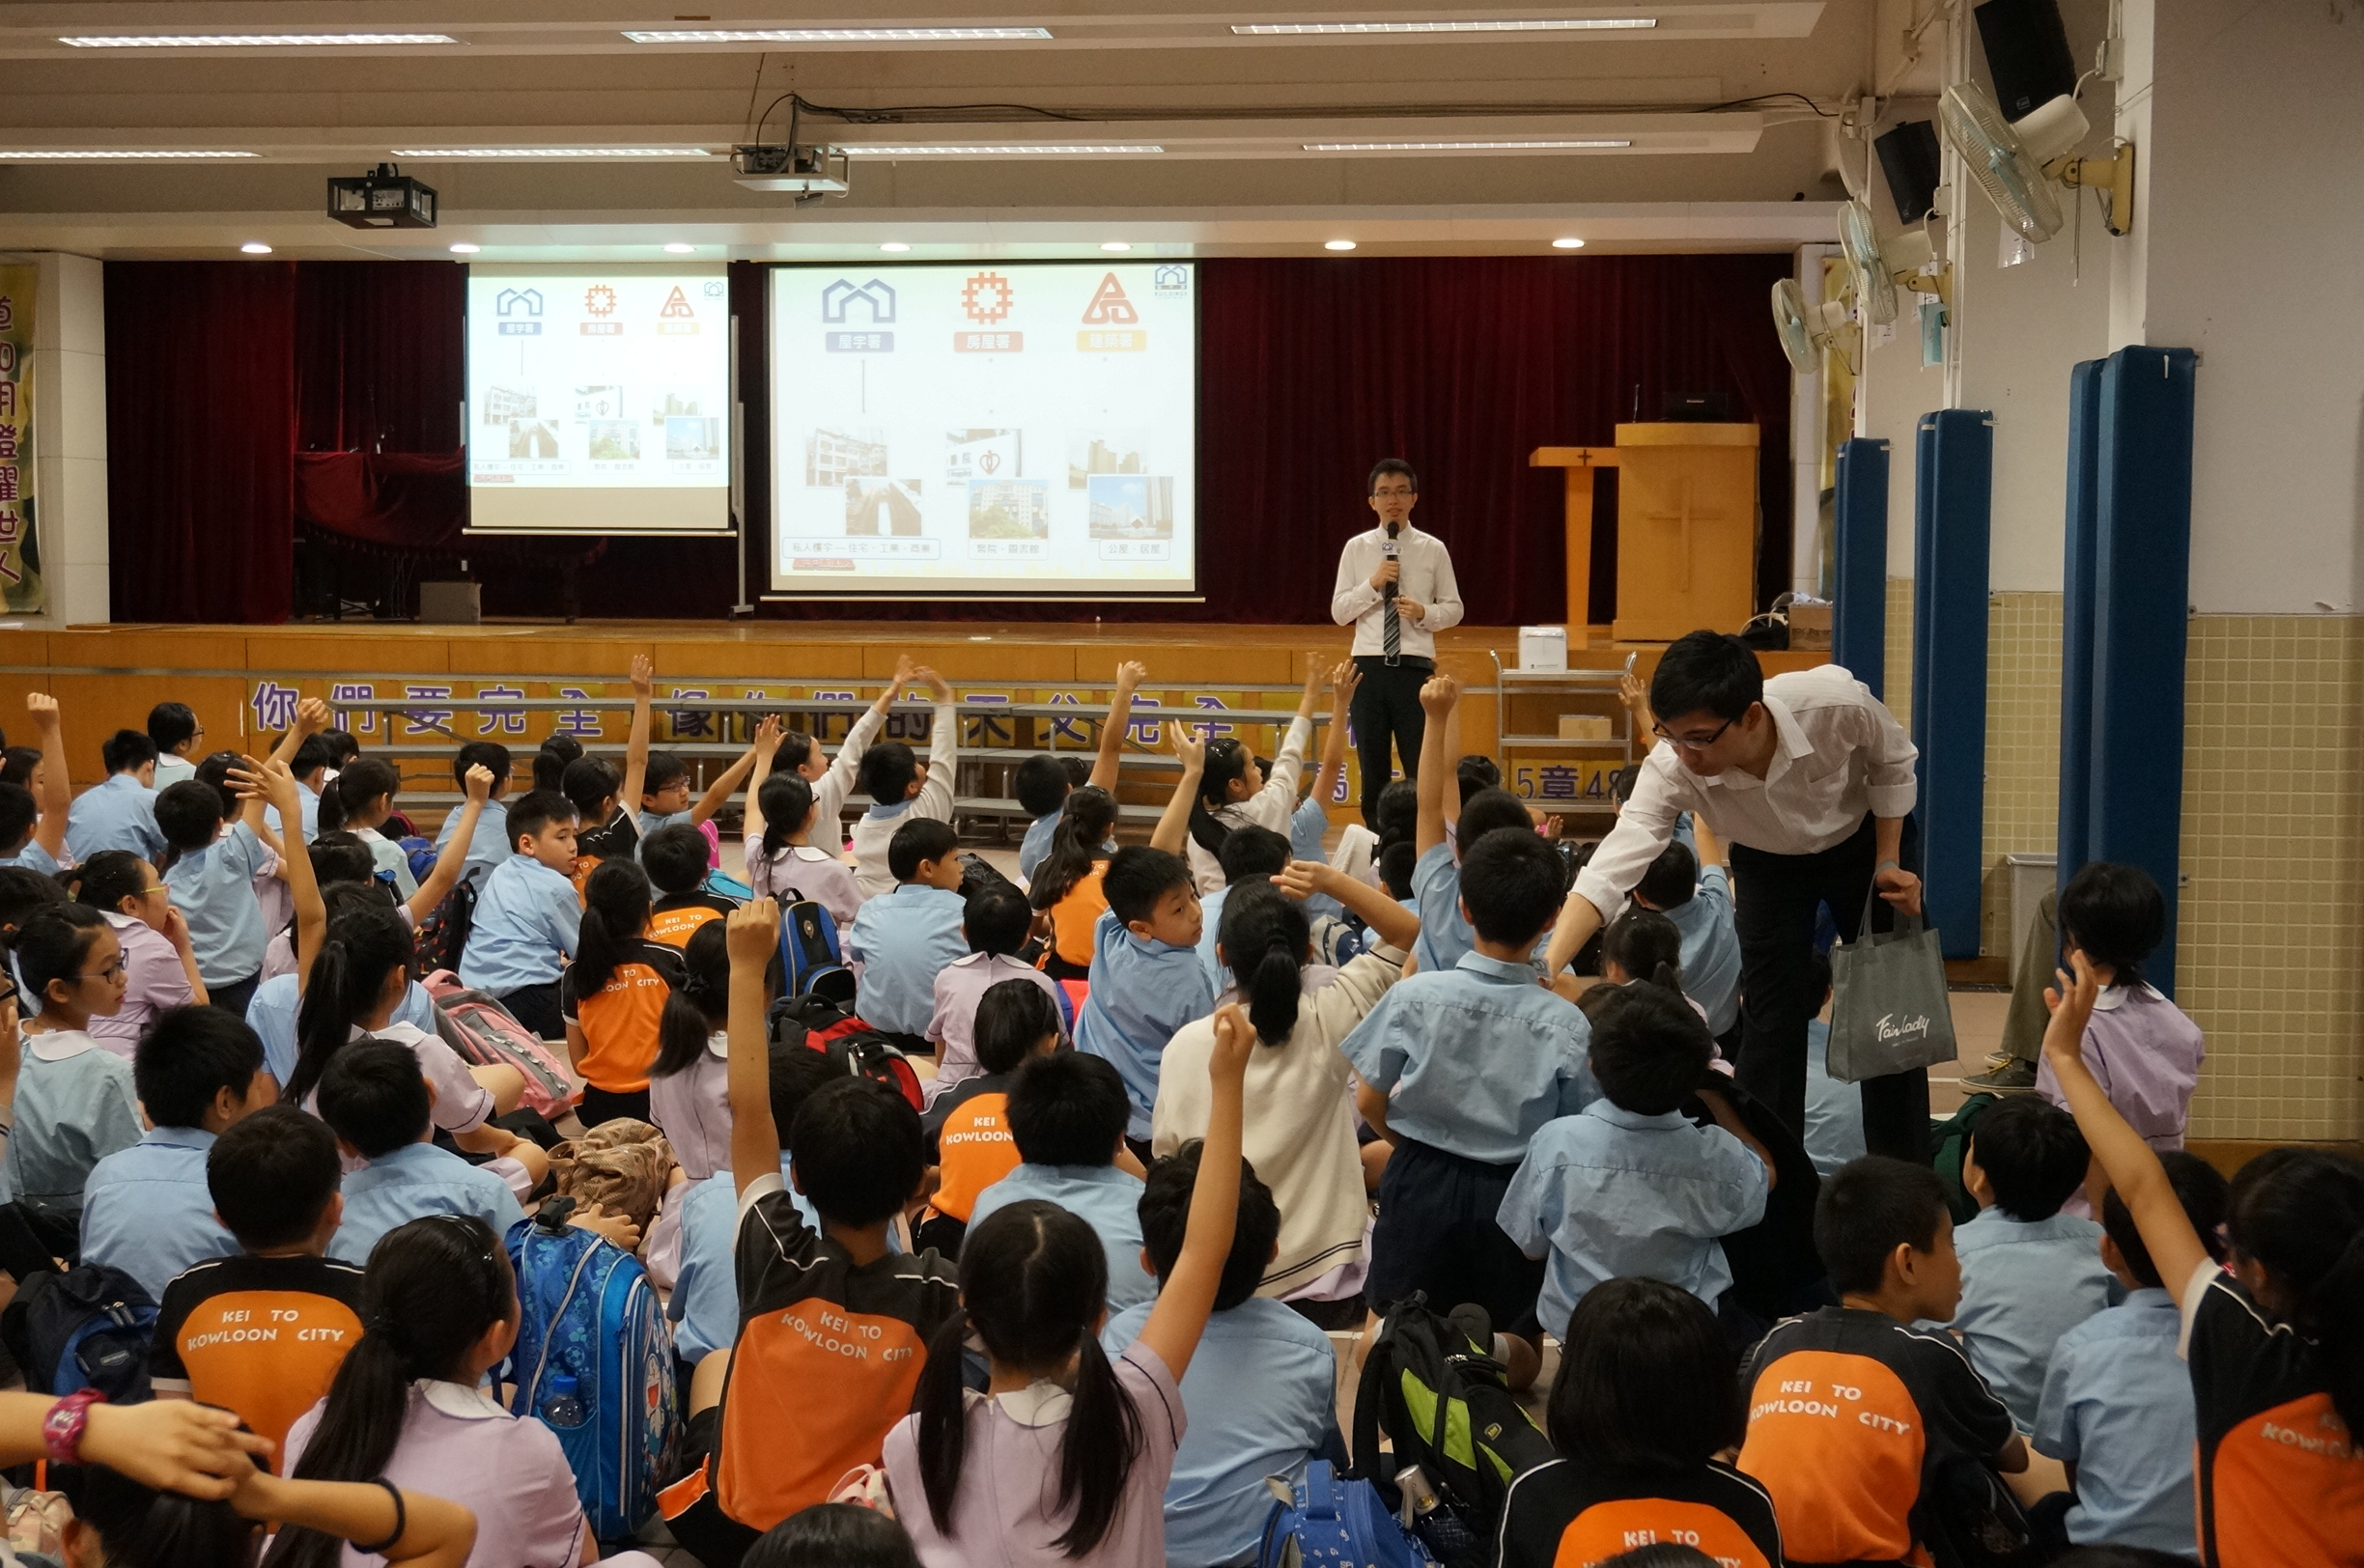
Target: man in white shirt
1810	780
1396	588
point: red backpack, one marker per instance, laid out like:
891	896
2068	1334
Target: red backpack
847	1040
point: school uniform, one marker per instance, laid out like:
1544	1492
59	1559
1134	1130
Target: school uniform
969	1143
147	1210
1210	932
1559	1515
391	861
649	822
271	1014
675	917
2145	1052
1263	1387
1143	991
2025	1282
704	1308
33	857
837	780
1710	949
1446	932
806	871
489	847
1102	1197
1610	1191
2118	1405
171	769
618	1025
76	1105
1035	847
1074	920
691	1108
1834	1111
527	923
1307	825
898	945
1269	807
118	814
203	1347
153	980
960	987
1474	1060
1395	655
875	830
412	1181
213	889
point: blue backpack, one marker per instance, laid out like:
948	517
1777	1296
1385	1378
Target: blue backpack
594	1362
812	962
1327	1521
87	1327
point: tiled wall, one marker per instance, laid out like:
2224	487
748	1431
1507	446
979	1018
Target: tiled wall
2023	708
2270	934
1898	684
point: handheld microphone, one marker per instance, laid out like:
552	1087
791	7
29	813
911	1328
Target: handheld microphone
1390	549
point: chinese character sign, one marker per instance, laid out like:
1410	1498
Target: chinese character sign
20	580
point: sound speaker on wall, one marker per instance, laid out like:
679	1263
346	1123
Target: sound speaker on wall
2027	53
1908	158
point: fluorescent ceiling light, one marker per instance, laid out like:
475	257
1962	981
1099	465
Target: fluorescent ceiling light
1116	245
990	150
464	248
894	247
678	249
255	247
549	152
1569	146
1337	244
845	35
1568	24
255	40
1569	243
112	154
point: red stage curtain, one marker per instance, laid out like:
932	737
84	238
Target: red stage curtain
200	413
378	361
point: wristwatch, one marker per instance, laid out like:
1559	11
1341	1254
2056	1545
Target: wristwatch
62	1428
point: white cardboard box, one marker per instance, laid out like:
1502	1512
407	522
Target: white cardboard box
1543	648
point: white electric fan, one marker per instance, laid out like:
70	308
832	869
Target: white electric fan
1806	330
2017	162
1907	260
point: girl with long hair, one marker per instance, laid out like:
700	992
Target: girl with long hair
159	967
1066	885
783	813
76	1104
613	993
1065	1456
688	1097
1233	792
121	1522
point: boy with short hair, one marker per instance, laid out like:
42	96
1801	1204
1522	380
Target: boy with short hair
902	788
1445	828
119	814
996	922
2117	1406
375	1101
1249	851
174	728
1261	1389
145	1210
1629	1185
273	1183
1694	890
2030	1273
1853	1413
211	878
493	844
1147	981
664	792
1067	1114
528	917
1460	1069
901	940
308	753
676	858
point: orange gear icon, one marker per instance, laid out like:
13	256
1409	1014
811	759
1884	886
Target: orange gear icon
983	310
599	299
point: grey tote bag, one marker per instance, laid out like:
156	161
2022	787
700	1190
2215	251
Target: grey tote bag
1889	1012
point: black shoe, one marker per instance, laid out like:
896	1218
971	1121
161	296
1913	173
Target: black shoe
1472	1320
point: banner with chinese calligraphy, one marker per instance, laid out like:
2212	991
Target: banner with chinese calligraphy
20	580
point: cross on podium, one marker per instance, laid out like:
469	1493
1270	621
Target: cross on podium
1682	517
1686	536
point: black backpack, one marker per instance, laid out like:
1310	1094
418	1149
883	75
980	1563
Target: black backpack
1445	1405
444	935
87	1327
848	1041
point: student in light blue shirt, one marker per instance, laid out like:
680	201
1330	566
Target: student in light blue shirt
2117	1401
1250	851
119	814
310	765
1695	895
176	731
1146	980
373	1098
34	814
491	844
527	916
1067	1114
2030	1273
211	874
901	940
1834	1111
1630	1184
1261	1390
664	792
1460	1068
147	1210
271	1014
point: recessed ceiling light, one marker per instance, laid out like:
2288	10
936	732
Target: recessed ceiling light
256	40
549	152
1568	24
1116	245
1572	242
1337	244
1556	145
255	247
989	150
464	248
679	249
844	34
894	246
111	155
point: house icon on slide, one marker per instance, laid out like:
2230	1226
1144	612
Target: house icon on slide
876	298
512	301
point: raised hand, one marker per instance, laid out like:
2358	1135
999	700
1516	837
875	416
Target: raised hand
478	783
767	736
643	676
752	935
311	716
1235	1041
270	781
43	708
1186	744
1344	676
1130	675
939	688
1437	696
1301	878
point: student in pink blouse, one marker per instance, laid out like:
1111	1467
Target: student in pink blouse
687	1090
996	923
2141	1047
160	968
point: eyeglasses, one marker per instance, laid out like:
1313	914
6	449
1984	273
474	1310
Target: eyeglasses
158	888
108	971
1693	742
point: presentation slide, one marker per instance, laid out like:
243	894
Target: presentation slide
1002	429
598	401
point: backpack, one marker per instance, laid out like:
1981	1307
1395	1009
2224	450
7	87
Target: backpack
812	962
419	854
87	1327
444	935
1446	1408
1324	1520
848	1041
1968	1518
1949	1143
483	1033
587	1313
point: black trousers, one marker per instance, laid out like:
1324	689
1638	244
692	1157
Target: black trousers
1775	897
232	997
604	1106
537	1008
1387	713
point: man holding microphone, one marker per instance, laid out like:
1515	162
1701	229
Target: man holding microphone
1396	588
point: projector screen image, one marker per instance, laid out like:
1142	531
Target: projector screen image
598	401
984	430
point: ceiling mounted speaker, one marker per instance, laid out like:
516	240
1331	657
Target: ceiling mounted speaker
1908	158
2027	53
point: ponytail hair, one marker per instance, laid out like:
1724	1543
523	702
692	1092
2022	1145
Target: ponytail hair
1265	936
550	763
2299	1216
106	879
786	800
699	1006
1085	822
434	1286
1226	762
615	911
348	976
53	943
1646	946
142	1527
1033	1281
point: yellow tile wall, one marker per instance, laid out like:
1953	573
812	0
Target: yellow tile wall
1897	683
2271	920
2023	716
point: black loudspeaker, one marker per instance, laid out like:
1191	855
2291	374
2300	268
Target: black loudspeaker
2027	53
1908	158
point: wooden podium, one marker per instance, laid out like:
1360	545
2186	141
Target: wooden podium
1687	528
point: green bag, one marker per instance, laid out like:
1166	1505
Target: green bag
1949	1143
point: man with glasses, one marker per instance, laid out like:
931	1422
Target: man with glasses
1396	588
1810	780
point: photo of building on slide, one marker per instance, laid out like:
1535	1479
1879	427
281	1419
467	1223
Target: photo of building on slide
883	506
1106	452
1131	506
834	455
1009	509
984	454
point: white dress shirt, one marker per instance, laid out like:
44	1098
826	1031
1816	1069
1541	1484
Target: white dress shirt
1839	754
1427	577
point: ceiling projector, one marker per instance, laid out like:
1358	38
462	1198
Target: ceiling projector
387	199
807	171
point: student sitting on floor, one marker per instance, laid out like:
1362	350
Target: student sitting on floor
1066	1114
902	939
903	789
677	858
1834	1111
994	921
119	814
1231	790
75	1101
210	875
1042	785
33	821
829	777
782	861
1069	886
687	1089
375	1101
969	1127
1694	890
1249	854
605	830
613	993
492	843
160	965
1436	877
174	728
528	918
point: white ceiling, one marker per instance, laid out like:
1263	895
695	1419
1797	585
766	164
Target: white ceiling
1730	108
